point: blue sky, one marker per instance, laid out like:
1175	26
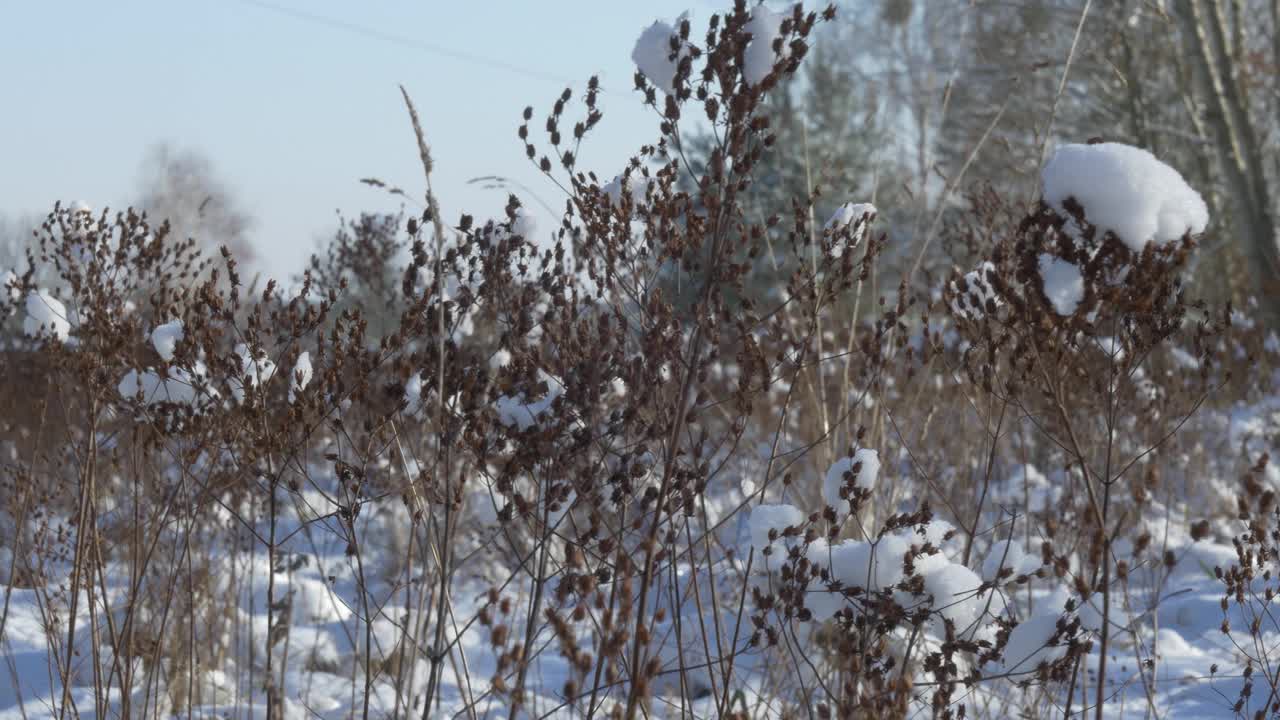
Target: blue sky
293	101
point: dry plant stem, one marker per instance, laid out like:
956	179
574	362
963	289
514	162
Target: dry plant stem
1055	394
924	475
421	511
986	481
1062	87
1107	536
463	676
1075	448
951	187
87	489
650	544
601	638
737	628
1148	683
402	649
697	599
424	152
273	692
813	257
95	572
192	654
136	588
165	615
676	605
682	405
535	606
363	589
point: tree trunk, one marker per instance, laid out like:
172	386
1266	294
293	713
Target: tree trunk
1237	147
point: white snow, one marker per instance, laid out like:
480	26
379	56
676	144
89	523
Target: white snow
935	532
861	213
413	394
518	411
1272	343
165	338
525	225
177	385
1030	643
865	479
954	590
9	283
634	184
978	292
1025	484
871	567
1112	347
1011	555
6	562
1126	190
777	518
254	371
1063	283
951	590
856	218
301	376
652	54
46	316
759	58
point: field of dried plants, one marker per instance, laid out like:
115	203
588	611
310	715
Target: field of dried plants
475	468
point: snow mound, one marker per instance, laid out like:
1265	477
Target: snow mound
855	563
935	531
954	589
635	185
165	338
759	58
856	218
178	386
46	315
9	283
523	413
1011	555
301	376
772	517
970	297
1032	643
413	394
869	470
1063	283
1126	190
850	213
254	371
525	225
653	57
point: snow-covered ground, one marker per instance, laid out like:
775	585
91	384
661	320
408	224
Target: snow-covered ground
1175	614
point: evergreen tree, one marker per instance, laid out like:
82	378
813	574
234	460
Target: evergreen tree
830	145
